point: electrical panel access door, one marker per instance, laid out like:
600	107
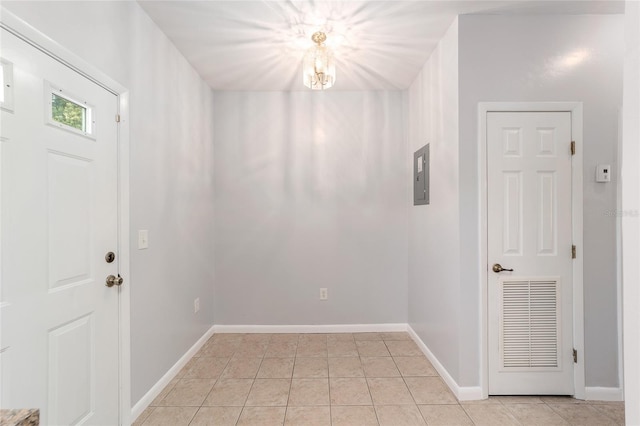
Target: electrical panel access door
421	176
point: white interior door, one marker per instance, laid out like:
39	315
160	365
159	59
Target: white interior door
530	231
59	332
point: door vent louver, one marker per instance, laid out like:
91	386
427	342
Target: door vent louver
529	324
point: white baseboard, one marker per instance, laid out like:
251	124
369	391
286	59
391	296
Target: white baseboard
332	328
148	398
463	393
469	393
603	394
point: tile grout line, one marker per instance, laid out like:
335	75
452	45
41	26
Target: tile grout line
373	405
244	405
406	384
329	383
214	385
217	379
286	408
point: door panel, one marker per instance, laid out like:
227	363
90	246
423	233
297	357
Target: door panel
547	217
512	232
59	329
529	231
71	382
69	220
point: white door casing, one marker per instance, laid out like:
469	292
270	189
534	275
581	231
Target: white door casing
529	212
59	218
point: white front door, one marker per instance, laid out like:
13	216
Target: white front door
529	231
59	331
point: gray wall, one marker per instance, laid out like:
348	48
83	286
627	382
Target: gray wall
171	172
524	58
434	235
310	192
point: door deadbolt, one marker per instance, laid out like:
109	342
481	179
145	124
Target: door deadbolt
110	257
113	280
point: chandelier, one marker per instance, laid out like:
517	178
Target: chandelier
318	67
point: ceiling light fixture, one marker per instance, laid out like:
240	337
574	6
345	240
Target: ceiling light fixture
318	67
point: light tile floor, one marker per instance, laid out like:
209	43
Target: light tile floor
340	379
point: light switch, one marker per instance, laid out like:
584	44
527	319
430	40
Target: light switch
603	173
143	239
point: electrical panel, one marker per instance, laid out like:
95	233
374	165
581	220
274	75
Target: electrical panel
421	176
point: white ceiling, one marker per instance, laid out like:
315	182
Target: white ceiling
258	45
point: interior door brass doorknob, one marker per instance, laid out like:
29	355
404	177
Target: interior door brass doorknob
113	280
498	268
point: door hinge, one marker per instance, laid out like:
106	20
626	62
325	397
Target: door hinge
573	251
575	356
573	148
117	118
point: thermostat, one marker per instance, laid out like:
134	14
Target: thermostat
603	173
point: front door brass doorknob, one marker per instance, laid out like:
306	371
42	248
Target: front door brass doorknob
498	268
113	280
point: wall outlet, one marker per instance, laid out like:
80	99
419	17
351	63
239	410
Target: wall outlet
323	294
196	305
143	239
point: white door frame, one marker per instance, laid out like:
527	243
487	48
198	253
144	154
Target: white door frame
630	204
575	108
40	41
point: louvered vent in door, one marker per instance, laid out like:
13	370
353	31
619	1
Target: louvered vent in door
530	324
